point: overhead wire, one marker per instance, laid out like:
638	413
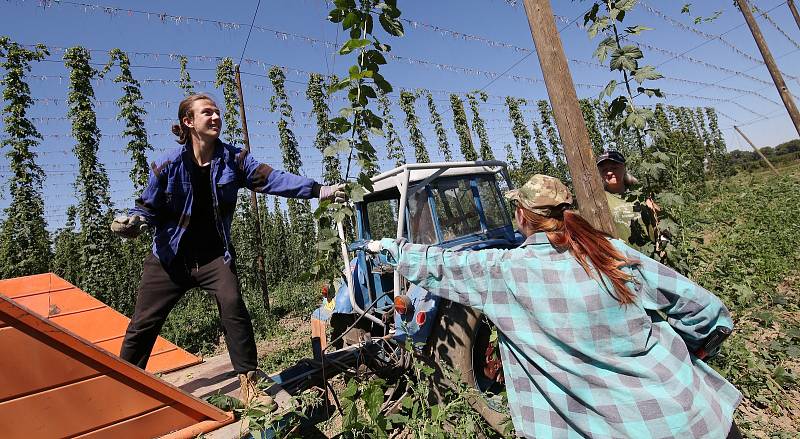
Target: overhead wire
313	40
775	25
709	37
531	52
250	31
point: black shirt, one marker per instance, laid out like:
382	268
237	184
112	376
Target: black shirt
201	242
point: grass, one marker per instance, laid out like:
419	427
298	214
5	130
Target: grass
746	249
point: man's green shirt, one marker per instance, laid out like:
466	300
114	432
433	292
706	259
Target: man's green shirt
622	212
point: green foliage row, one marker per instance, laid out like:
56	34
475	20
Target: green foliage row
407	100
24	241
744	239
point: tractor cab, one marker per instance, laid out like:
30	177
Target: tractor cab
454	205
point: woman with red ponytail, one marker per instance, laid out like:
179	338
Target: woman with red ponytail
597	340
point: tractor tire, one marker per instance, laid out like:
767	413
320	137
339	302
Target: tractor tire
452	344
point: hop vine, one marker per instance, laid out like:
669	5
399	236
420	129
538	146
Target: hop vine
545	165
132	112
592	125
24	241
325	137
94	207
438	126
407	101
719	165
478	125
522	136
185	79
561	170
226	80
511	159
279	102
462	128
299	211
394	147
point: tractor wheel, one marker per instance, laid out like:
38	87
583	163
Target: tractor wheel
459	341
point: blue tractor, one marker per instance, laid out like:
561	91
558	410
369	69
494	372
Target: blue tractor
454	205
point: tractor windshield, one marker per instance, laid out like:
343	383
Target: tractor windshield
456	209
462	206
382	216
492	202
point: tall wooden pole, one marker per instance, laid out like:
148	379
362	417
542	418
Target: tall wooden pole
589	191
793	8
770	62
261	272
756	150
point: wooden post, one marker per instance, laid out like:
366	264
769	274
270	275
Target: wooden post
770	62
589	192
793	8
756	150
261	272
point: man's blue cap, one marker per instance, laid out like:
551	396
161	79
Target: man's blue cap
611	154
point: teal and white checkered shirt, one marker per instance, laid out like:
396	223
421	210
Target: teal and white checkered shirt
577	363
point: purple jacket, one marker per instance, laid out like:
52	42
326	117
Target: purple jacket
166	203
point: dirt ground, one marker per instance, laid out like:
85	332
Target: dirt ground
775	422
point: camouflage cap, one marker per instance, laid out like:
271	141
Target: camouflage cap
542	194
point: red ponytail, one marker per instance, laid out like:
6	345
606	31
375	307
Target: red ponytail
573	233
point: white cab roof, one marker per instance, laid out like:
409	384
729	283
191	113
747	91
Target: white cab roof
421	171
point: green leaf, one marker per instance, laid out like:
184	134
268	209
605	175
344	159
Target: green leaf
609	89
650	92
397	419
353	44
632	52
337	148
646	73
685	8
634	120
336	15
624	58
345	4
341	85
617	107
373	397
670	200
351	389
365	181
605	46
367	91
391	25
382	84
327	244
598	26
636	30
783	377
744	293
375	57
625	5
592	14
351	19
357	193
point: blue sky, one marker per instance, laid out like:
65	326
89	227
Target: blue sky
291	33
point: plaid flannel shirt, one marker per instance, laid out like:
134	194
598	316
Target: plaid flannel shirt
166	202
577	363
